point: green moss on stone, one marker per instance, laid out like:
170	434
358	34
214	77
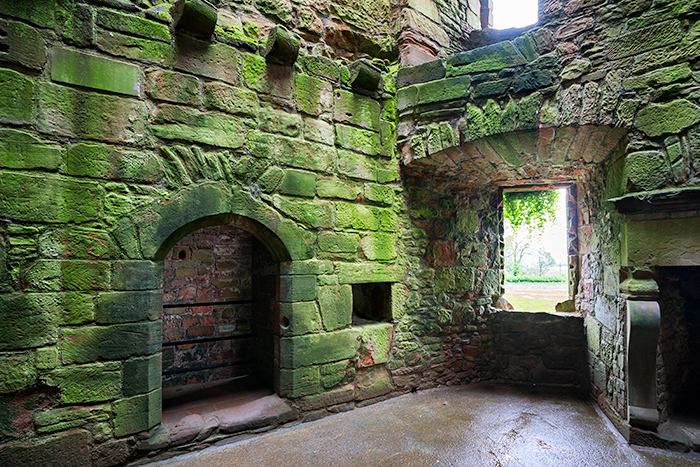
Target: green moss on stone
334	242
94	382
22	150
671	117
137	413
647	170
299	318
335	303
300	382
379	247
17	371
356	216
17	98
298	183
314	214
132	24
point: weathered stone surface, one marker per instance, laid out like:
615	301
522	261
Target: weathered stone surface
575	69
20	43
280	122
335	303
22	150
297	288
356	216
46	198
230	99
357	110
490	58
647	170
137	413
209	128
91	343
107	162
17	371
17	99
379	246
66	449
300	382
533	80
359	273
145	50
216	61
136	275
372	382
313	95
298	183
132	24
266	78
660	77
358	139
573	28
69	112
81	384
646	243
313	349
316	214
299	318
491	88
35	11
375	344
429	71
126	307
174	87
338	242
355	165
142	375
644	39
70	417
672	117
31	320
68	66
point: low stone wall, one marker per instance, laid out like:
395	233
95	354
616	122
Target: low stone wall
540	348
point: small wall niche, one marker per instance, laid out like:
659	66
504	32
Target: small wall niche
371	303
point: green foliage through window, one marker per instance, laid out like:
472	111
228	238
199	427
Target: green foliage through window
532	209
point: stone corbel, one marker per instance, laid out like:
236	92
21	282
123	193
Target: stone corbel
643	328
197	17
364	76
282	47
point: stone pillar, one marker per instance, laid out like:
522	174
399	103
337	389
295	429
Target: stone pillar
643	327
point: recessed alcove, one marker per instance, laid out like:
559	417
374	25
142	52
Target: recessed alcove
219	306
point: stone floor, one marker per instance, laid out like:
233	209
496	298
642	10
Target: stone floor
477	425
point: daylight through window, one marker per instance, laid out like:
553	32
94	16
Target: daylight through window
535	248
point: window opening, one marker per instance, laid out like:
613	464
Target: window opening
536	249
371	303
505	14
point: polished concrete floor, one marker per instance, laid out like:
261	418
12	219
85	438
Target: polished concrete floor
477	425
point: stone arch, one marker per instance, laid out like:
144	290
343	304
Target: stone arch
146	236
542	155
151	232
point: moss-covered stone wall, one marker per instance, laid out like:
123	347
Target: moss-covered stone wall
121	134
124	129
600	93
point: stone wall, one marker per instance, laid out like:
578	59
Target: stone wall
121	134
540	108
173	130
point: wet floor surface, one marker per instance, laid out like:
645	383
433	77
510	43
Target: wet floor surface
473	425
